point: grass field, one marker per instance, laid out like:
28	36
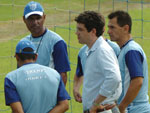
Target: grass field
60	18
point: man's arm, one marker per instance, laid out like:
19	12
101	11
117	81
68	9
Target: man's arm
61	61
133	90
64	77
78	80
12	97
62	99
16	107
61	107
96	103
76	88
134	62
96	107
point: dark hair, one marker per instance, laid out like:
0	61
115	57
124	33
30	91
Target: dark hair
24	56
92	19
123	18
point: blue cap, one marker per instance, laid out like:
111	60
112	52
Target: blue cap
25	44
33	8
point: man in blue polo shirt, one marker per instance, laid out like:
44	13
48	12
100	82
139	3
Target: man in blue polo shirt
133	65
33	88
51	48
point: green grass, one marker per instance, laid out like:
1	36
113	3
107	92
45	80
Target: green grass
12	32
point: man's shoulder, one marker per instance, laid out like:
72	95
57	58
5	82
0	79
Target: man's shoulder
111	43
114	46
35	67
51	34
83	49
132	45
105	50
11	75
27	37
47	69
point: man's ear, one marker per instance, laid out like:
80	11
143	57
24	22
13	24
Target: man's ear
126	28
36	56
103	29
44	15
17	57
23	19
93	31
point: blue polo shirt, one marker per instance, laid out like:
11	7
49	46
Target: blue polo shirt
38	88
133	63
114	46
52	51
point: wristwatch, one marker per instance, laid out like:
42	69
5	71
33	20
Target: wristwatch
95	104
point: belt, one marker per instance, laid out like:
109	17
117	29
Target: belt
86	111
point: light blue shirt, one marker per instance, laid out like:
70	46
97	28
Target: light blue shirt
38	88
52	51
114	46
101	75
133	63
81	61
82	56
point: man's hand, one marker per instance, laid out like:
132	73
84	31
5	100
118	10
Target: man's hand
76	88
132	92
100	108
77	96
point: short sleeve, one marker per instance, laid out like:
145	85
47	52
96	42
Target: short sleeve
11	94
60	56
134	61
62	93
79	71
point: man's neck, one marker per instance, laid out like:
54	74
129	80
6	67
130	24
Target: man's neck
28	61
40	33
124	40
91	42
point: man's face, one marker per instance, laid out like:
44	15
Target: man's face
82	33
35	24
114	30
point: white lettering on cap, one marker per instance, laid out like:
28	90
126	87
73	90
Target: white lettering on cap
33	6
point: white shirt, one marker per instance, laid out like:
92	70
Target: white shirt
102	74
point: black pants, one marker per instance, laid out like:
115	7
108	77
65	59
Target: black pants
87	111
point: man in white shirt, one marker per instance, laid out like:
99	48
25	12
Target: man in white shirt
102	80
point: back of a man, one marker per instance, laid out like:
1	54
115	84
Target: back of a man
33	88
32	84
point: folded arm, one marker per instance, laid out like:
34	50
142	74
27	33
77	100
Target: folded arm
16	107
61	107
133	90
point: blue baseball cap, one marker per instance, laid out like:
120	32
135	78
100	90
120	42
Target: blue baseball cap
33	8
25	44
